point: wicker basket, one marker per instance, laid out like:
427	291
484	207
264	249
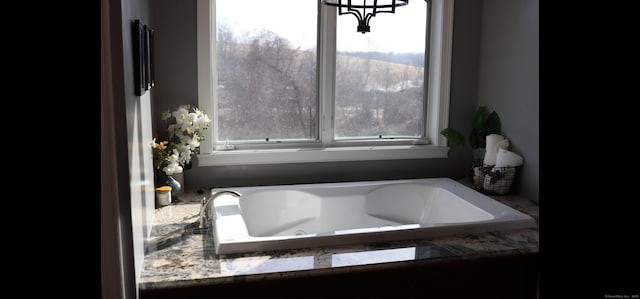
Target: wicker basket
498	180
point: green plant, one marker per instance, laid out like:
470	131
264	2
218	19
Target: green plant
483	124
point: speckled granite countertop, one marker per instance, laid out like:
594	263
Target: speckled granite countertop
179	254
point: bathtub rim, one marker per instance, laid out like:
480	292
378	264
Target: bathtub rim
505	218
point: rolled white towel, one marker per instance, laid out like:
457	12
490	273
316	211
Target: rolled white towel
492	149
508	158
504	144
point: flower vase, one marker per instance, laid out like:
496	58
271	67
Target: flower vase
180	178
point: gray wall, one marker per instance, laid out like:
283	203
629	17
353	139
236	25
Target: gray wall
138	130
508	80
176	58
176	84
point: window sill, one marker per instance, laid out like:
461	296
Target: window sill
332	154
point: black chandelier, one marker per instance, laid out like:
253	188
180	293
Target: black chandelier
365	10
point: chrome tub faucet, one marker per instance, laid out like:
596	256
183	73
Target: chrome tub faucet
204	218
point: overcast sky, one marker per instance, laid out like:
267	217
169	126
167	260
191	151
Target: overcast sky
403	31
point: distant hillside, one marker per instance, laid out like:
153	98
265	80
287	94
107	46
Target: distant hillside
387	71
383	75
413	59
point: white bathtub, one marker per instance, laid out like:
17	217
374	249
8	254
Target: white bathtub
314	215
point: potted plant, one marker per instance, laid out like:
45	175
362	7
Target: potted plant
483	124
179	152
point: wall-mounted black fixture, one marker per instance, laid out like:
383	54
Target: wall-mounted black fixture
365	10
143	57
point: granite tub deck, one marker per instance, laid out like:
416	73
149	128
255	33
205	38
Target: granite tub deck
180	255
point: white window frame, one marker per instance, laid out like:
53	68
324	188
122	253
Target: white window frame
328	149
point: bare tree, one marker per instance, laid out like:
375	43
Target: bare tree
269	88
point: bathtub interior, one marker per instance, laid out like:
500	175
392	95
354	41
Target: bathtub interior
278	212
421	204
283	212
295	216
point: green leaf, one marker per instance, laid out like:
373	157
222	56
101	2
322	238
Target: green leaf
477	138
492	124
479	118
455	138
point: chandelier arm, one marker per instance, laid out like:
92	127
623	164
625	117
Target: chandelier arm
397	3
364	17
350	6
351	11
368	18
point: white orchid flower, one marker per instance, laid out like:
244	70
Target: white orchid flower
184	136
192	117
172	168
181	115
194	143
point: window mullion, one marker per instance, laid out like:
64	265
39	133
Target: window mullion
207	74
326	72
440	51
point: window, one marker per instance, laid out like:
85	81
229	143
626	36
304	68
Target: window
266	66
294	88
379	77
